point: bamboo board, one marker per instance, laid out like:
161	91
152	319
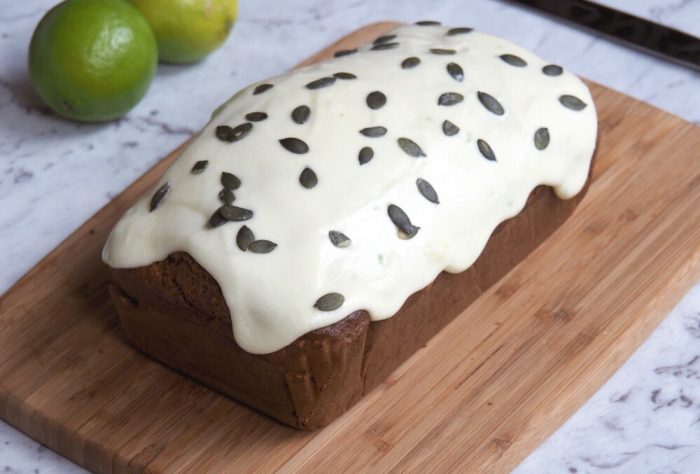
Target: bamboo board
478	398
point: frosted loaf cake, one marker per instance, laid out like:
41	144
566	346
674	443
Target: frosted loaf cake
320	200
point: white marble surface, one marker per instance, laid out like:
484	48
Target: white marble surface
55	174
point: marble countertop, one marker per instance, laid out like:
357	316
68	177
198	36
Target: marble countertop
645	419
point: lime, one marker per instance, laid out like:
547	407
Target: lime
92	60
188	30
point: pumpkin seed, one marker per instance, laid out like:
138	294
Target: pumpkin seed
339	239
158	196
344	76
572	102
449	129
217	220
428	23
450	98
410	147
552	70
486	150
401	221
228	134
456	71
376	100
541	138
443	51
320	83
366	154
513	60
373	132
234	213
262	88
262	246
308	178
384	39
410	63
458	31
230	181
490	103
226	196
427	191
329	302
384	46
199	167
301	114
244	237
294	145
256	116
345	52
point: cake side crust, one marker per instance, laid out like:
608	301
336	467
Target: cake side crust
174	311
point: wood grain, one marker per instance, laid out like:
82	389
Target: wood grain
478	398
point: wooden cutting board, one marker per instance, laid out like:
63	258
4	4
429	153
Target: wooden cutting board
480	397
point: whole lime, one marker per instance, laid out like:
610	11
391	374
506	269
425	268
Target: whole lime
92	60
188	30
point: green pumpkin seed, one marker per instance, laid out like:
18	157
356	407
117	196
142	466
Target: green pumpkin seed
552	70
410	63
541	138
572	102
230	181
230	135
308	178
262	88
339	239
443	51
401	221
384	46
199	167
345	52
458	31
376	100
485	150
365	155
456	71
301	114
449	129
384	39
262	246
450	98
427	191
373	132
513	60
410	147
345	76
226	196
490	103
244	237
256	116
294	145
234	213
158	197
329	302
217	220
320	83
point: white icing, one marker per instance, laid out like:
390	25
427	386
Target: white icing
271	296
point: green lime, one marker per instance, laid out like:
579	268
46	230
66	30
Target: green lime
188	30
92	60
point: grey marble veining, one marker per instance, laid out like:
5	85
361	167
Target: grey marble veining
55	174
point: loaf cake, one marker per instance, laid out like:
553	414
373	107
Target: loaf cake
327	222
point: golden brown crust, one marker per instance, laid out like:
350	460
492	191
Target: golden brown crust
174	311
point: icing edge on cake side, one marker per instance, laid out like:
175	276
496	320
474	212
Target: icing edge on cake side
352	183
